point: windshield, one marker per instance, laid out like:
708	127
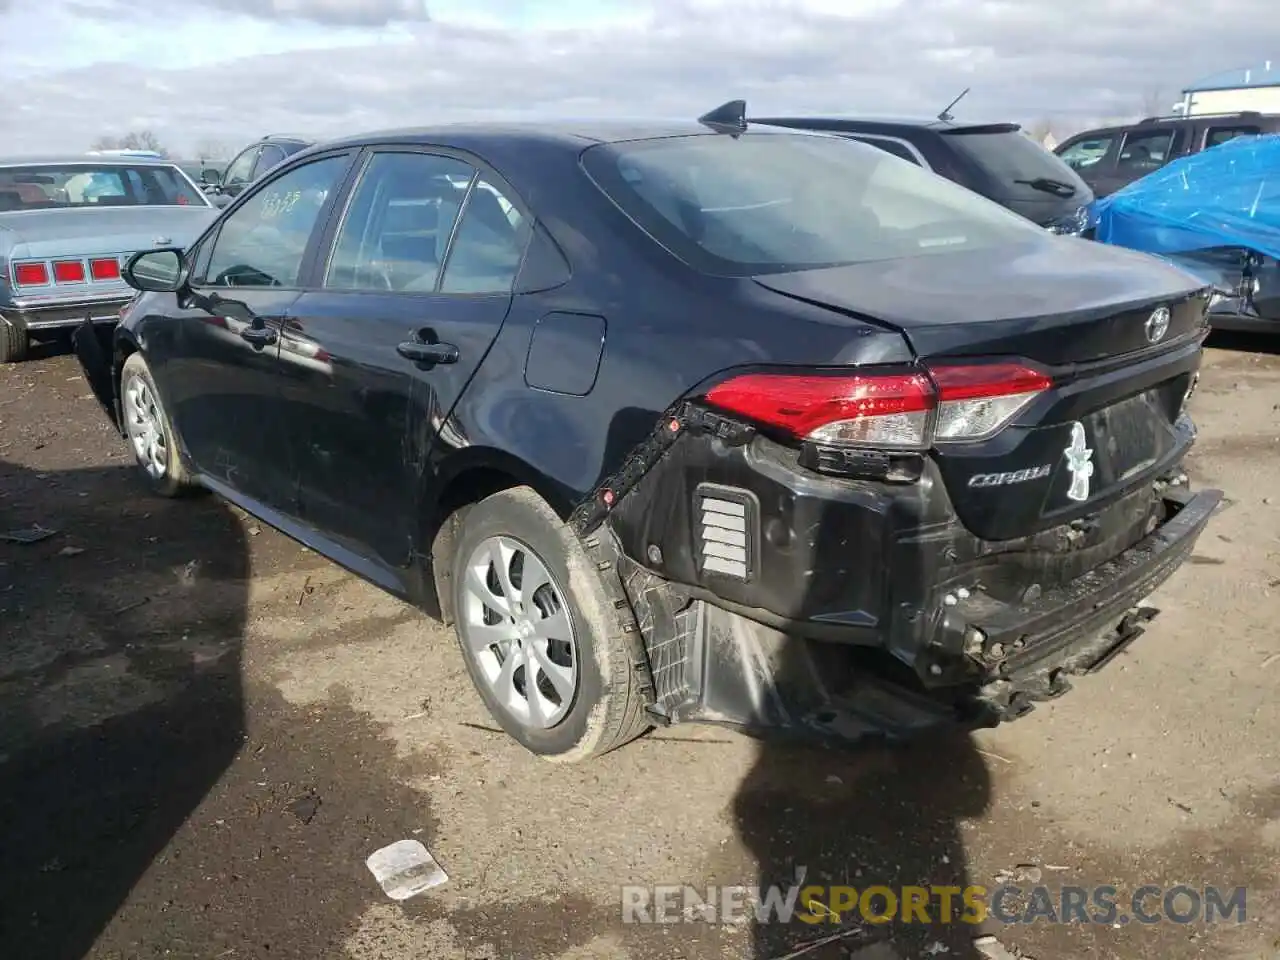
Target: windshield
1018	166
771	202
46	186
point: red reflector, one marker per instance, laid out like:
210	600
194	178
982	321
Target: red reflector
68	271
105	269
801	404
987	380
30	275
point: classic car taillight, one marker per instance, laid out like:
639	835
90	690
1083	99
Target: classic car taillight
68	271
105	269
30	274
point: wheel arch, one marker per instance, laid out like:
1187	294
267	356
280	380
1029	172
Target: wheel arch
472	475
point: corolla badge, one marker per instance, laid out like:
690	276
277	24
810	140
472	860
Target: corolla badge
1079	464
1157	324
163	241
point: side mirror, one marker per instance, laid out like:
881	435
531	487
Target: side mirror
156	271
210	176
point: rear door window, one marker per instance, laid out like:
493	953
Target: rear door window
1216	135
1144	151
395	234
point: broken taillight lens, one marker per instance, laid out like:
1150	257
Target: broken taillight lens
899	410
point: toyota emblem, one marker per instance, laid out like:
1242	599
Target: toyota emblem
1157	324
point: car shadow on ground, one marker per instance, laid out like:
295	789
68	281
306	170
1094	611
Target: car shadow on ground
865	815
868	817
120	692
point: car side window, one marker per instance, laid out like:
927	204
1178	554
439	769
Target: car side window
895	147
1086	153
1144	152
396	229
268	158
241	168
264	242
486	253
1217	135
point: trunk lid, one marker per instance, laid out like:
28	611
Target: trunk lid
1080	312
1058	301
79	232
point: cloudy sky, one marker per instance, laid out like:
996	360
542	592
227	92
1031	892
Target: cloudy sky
227	71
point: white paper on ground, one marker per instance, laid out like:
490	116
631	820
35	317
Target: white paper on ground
405	869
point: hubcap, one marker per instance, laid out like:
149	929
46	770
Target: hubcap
516	625
142	423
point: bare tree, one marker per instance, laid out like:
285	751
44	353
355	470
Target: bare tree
133	140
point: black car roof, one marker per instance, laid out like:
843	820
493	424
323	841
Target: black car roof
847	123
571	134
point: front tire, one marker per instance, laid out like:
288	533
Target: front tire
149	431
541	639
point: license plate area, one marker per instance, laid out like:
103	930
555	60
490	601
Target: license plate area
1131	436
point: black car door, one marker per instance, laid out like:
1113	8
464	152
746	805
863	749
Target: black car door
374	355
217	355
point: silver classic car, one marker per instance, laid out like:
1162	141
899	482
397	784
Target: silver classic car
66	226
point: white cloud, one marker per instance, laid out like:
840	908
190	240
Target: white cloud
235	69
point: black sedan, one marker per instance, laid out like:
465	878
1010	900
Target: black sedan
700	422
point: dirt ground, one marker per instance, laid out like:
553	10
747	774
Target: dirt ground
206	729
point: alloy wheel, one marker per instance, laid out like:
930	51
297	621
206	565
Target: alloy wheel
515	623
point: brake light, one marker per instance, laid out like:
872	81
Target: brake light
891	411
911	410
975	402
107	269
30	275
68	271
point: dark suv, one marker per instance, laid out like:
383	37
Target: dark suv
252	162
996	160
1109	158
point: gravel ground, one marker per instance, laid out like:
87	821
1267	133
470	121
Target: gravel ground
205	729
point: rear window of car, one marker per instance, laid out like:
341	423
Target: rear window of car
1015	163
774	202
41	186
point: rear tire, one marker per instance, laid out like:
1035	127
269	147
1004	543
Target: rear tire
550	659
149	432
14	343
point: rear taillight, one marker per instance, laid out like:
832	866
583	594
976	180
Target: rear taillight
899	410
68	271
30	275
105	269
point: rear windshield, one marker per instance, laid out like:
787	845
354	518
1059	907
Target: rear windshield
1019	167
40	187
776	202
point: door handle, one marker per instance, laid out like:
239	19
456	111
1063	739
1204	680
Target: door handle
259	336
428	352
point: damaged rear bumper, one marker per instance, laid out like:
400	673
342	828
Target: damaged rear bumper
867	608
1029	650
713	665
